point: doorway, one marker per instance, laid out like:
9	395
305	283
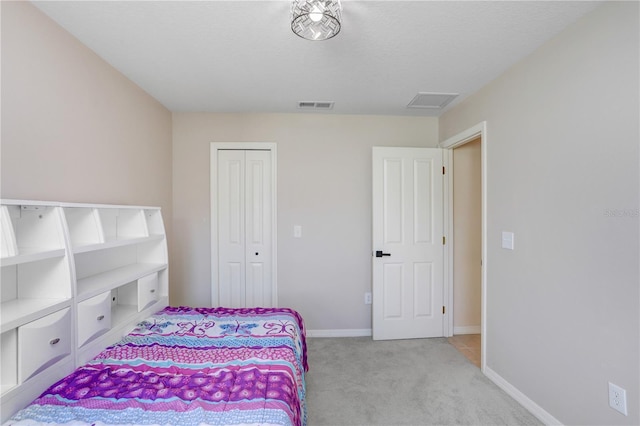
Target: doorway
466	268
467	249
243	225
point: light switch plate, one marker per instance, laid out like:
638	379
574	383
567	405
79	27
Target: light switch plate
297	231
507	240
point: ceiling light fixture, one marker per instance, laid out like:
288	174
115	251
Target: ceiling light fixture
315	19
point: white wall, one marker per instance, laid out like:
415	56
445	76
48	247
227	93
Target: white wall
74	128
324	184
563	155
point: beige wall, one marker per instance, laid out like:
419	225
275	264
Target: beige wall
467	236
74	128
562	146
324	184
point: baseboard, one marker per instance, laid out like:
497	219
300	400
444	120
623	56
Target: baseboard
524	400
366	332
467	329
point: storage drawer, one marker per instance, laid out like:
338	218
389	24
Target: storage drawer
94	317
147	291
43	342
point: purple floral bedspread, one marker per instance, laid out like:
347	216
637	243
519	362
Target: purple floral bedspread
188	366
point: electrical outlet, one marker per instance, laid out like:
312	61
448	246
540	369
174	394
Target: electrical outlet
617	398
367	298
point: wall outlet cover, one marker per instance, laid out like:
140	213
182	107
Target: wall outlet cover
618	398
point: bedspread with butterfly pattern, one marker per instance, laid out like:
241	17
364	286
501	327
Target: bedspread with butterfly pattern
188	366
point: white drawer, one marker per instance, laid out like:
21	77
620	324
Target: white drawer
43	342
94	317
147	291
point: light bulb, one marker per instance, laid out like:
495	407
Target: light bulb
316	14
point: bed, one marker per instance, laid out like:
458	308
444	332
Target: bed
188	366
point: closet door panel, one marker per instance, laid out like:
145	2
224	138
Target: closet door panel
258	226
231	227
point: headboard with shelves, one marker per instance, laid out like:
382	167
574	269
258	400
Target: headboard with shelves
75	279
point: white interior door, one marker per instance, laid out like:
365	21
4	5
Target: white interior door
407	243
244	232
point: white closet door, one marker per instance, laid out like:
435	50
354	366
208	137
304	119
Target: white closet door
244	228
231	252
258	228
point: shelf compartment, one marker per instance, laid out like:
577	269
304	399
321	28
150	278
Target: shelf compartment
36	228
21	311
29	290
32	255
123	223
155	226
124	303
96	284
85	227
30	233
116	243
122	313
102	227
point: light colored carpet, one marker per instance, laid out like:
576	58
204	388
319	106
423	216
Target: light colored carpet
358	381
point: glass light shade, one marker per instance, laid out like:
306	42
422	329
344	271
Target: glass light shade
315	19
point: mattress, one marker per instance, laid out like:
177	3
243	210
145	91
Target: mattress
188	366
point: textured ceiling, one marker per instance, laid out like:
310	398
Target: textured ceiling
241	56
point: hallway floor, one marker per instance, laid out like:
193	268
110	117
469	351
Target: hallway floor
469	345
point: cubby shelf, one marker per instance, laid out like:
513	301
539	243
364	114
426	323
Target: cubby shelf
31	255
96	284
21	311
115	243
121	313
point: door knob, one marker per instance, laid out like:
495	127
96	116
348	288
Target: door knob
379	253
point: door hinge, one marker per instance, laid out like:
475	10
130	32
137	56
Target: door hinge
442	169
443	240
443	310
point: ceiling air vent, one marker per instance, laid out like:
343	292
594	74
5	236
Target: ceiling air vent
315	105
431	100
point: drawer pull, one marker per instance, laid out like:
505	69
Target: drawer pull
153	290
54	341
100	317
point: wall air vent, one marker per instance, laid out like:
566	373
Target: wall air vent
315	105
431	100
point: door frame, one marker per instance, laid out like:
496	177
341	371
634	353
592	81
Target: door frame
245	146
466	136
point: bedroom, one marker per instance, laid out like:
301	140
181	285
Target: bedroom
75	129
